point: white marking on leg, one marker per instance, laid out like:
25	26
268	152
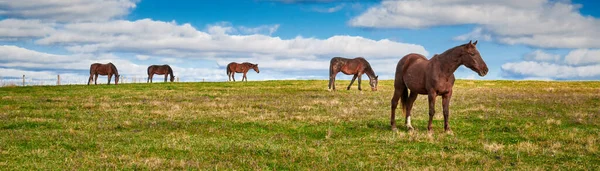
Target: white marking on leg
408	122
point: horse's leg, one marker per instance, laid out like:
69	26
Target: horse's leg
409	105
166	77
233	76
109	77
445	107
332	80
432	95
90	79
353	78
359	81
395	98
245	77
96	79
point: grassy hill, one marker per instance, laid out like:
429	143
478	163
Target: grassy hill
291	125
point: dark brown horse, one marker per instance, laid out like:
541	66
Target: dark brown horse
434	77
356	67
233	67
160	70
103	69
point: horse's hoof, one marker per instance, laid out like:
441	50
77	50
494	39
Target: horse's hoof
394	129
449	132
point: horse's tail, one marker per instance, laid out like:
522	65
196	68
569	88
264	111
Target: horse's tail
148	70
331	64
227	68
404	100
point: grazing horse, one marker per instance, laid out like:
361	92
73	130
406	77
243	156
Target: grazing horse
160	70
433	77
233	67
356	67
103	69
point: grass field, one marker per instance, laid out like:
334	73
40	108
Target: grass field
291	125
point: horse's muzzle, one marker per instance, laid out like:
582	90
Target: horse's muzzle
483	72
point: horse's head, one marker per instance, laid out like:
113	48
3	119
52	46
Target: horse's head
373	83
255	67
471	58
172	78
117	79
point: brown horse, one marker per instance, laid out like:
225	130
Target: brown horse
160	70
356	67
103	69
434	77
233	67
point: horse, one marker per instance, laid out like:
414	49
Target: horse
160	70
103	69
356	67
433	77
234	67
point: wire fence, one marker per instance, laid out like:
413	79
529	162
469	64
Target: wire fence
72	80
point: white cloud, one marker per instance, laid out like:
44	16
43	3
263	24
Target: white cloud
67	10
476	34
170	60
542	56
268	29
583	57
14	28
541	23
550	70
329	10
170	39
142	57
578	64
9	53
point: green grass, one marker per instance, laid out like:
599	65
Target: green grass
292	125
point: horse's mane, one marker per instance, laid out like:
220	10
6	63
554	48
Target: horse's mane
114	68
368	68
452	49
170	70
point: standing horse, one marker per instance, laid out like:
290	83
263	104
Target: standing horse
356	67
103	69
160	70
434	77
233	67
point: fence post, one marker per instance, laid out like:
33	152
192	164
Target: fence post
23	80
58	79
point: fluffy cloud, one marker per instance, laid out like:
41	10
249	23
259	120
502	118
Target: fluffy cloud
540	55
583	57
577	64
540	23
171	39
526	69
68	10
15	29
142	57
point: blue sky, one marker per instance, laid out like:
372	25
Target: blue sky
294	39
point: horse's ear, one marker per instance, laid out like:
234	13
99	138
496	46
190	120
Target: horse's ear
377	77
475	42
470	42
